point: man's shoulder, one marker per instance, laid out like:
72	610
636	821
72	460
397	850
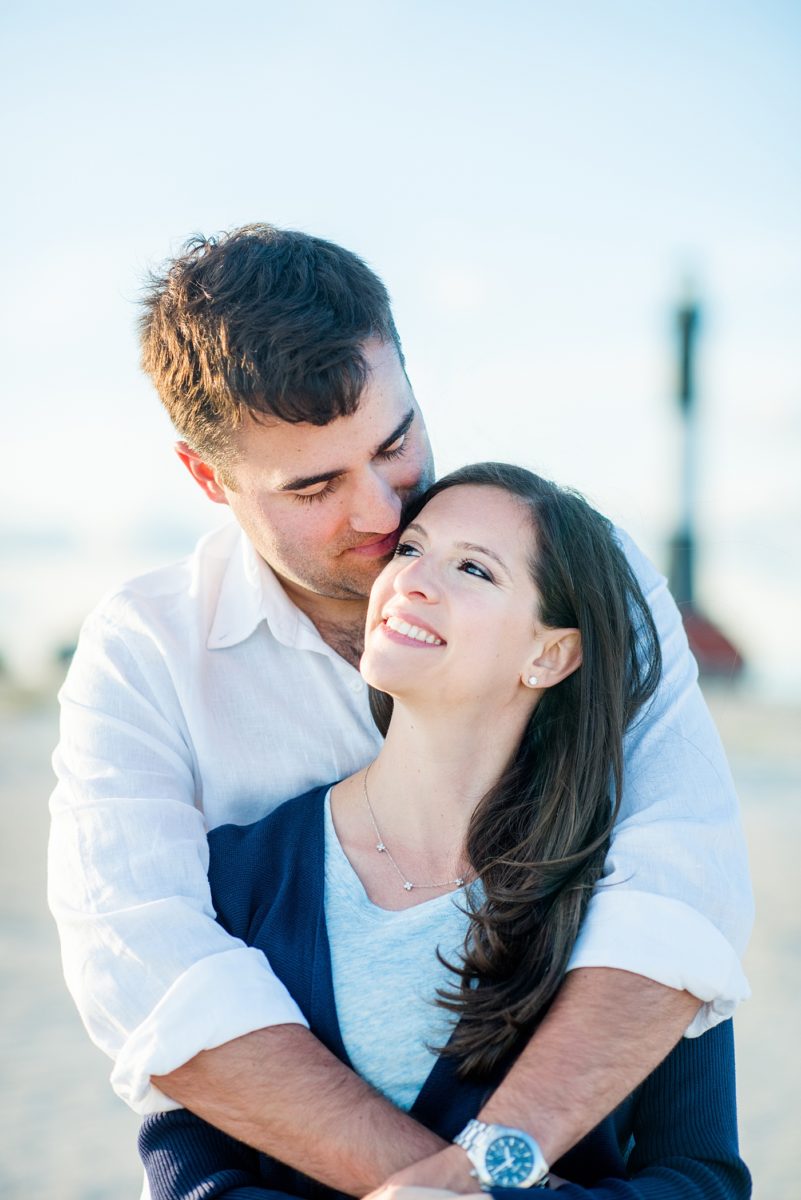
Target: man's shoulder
644	570
173	596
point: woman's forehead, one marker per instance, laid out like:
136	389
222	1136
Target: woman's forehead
482	514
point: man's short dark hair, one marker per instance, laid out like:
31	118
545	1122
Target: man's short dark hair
260	321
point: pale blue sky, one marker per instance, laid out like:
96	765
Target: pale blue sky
532	181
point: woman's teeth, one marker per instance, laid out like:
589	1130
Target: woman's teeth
412	631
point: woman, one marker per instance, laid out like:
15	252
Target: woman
423	911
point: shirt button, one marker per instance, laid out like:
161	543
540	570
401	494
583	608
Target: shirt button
357	685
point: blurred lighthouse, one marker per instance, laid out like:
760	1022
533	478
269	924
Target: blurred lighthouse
715	654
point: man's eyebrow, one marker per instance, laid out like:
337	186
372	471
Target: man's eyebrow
306	481
468	546
402	428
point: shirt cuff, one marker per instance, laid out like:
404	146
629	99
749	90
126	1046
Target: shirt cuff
219	998
666	941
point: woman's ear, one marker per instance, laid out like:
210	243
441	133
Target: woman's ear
558	655
202	472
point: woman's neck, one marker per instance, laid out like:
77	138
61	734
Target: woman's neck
422	790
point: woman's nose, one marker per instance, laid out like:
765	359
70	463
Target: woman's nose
417	578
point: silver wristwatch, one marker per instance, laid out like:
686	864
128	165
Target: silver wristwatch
502	1157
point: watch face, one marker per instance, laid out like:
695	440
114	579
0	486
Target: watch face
509	1160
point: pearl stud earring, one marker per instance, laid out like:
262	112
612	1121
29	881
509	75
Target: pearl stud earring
532	681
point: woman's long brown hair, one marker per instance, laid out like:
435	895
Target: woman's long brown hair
539	837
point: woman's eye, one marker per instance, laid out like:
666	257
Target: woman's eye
473	568
405	550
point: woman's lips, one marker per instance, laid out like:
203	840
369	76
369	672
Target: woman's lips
378	549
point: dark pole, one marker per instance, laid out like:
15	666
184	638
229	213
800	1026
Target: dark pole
682	563
715	654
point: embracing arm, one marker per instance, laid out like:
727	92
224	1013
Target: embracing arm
675	902
281	1090
162	988
684	1126
155	978
604	1032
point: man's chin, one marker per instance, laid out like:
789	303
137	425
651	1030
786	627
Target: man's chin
351	585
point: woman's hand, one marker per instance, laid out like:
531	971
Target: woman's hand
400	1191
438	1177
443	1174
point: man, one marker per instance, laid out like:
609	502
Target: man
211	691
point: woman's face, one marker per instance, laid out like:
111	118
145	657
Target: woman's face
453	615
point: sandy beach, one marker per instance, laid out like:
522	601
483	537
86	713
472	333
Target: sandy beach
65	1136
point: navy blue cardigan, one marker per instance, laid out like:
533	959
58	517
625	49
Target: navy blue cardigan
675	1136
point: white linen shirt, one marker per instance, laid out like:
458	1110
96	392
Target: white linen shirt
200	695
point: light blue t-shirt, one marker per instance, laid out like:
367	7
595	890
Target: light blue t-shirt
386	974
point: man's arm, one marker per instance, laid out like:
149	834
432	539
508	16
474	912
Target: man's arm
154	977
675	902
159	984
162	988
357	1137
605	1032
279	1089
684	1128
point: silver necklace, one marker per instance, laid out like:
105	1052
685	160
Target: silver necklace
382	848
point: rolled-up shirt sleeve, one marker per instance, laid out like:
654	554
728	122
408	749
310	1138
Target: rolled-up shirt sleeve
675	901
155	978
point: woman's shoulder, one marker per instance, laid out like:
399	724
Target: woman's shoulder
247	861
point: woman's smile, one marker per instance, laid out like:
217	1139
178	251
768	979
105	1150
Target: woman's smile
412	631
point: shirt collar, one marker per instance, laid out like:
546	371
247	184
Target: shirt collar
250	593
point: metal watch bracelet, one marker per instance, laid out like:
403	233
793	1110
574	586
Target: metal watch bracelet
523	1164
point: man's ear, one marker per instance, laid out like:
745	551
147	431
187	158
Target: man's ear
558	655
203	474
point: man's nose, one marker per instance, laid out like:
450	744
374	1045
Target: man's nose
376	506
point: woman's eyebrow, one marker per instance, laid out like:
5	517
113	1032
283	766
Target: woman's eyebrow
417	528
470	547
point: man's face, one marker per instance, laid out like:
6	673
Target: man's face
322	504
